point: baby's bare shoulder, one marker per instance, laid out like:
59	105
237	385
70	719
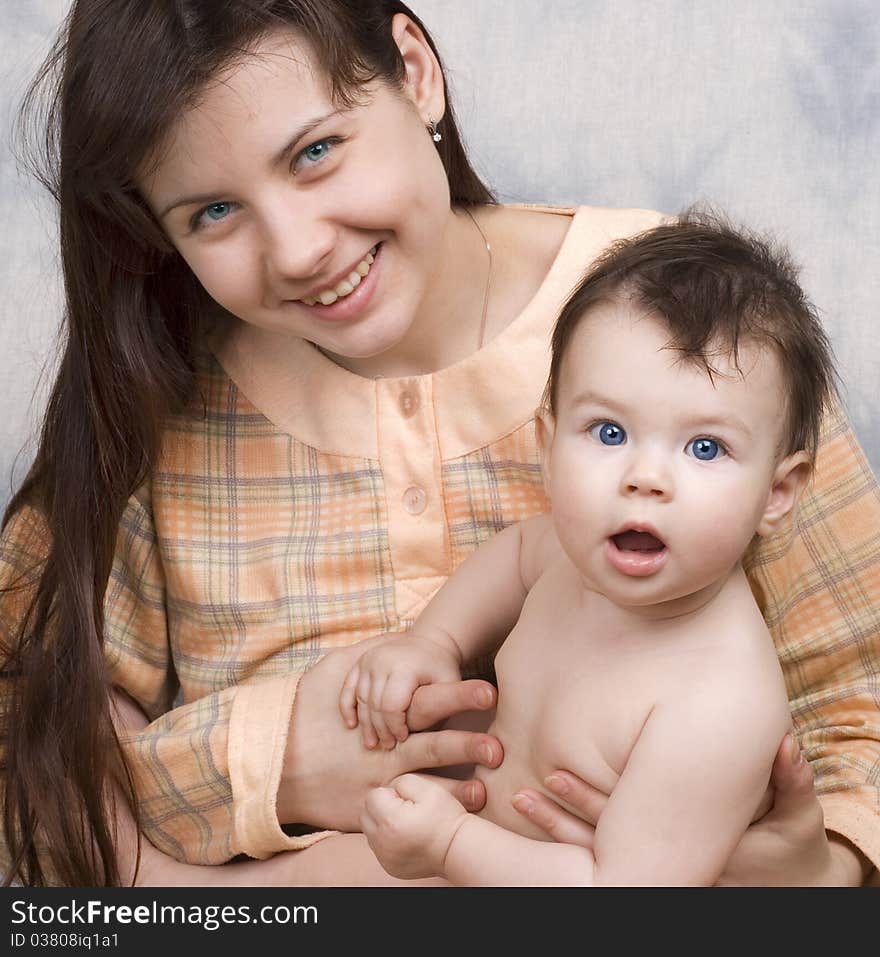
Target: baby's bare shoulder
539	549
734	674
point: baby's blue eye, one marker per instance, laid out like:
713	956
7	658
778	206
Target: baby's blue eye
608	433
705	449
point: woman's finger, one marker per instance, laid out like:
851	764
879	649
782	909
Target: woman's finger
470	794
546	814
437	702
792	778
440	749
581	798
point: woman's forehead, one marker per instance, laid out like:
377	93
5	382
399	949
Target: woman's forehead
280	60
274	86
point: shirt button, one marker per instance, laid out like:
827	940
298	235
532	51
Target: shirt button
415	500
409	403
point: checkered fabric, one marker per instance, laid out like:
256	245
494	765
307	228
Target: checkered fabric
286	520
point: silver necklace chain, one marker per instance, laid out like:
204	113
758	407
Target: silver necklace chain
488	280
482	334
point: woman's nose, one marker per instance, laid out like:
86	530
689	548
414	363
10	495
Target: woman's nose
297	247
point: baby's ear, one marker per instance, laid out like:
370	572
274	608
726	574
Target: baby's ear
545	426
789	480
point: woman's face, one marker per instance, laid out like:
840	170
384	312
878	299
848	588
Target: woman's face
301	217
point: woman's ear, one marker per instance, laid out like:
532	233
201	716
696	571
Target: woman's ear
789	480
424	78
545	426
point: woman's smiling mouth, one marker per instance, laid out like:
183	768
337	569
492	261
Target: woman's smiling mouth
345	286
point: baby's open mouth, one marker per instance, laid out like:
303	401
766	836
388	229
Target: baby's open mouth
633	541
636	552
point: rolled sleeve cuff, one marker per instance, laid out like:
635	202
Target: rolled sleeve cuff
258	729
855	816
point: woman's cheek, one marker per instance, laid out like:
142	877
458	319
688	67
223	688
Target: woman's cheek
228	278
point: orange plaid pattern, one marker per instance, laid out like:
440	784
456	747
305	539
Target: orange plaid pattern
259	544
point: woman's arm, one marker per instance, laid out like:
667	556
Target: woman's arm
219	776
327	771
818	586
341	859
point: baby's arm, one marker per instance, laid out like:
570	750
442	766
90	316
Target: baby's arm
690	785
692	781
469	616
417	829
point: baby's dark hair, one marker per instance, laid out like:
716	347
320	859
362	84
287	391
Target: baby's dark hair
715	287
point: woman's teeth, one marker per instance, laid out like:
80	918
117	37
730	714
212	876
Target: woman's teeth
342	289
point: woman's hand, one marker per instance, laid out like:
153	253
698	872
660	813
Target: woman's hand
786	846
789	846
343	858
573	823
327	770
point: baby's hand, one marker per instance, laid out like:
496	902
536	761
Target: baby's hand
379	688
410	825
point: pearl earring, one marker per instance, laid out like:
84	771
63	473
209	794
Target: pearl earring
436	136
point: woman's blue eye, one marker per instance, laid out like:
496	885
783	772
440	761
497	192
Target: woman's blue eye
316	152
217	211
705	449
608	433
214	213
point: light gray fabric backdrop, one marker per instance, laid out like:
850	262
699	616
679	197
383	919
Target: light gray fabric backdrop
769	110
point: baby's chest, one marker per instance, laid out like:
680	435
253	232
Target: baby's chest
571	701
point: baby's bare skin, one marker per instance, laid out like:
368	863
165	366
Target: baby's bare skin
585	711
635	654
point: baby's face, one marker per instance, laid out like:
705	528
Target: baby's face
659	476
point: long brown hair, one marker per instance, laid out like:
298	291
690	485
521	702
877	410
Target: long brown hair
118	77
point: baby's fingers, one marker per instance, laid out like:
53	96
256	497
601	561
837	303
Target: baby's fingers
368	732
365	714
381	805
348	697
377	715
396	700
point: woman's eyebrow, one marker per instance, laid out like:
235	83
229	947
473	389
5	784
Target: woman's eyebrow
285	151
280	157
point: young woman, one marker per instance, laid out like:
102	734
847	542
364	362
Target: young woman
303	356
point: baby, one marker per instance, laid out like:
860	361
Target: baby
687	384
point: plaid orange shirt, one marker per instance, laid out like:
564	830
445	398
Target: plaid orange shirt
284	520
